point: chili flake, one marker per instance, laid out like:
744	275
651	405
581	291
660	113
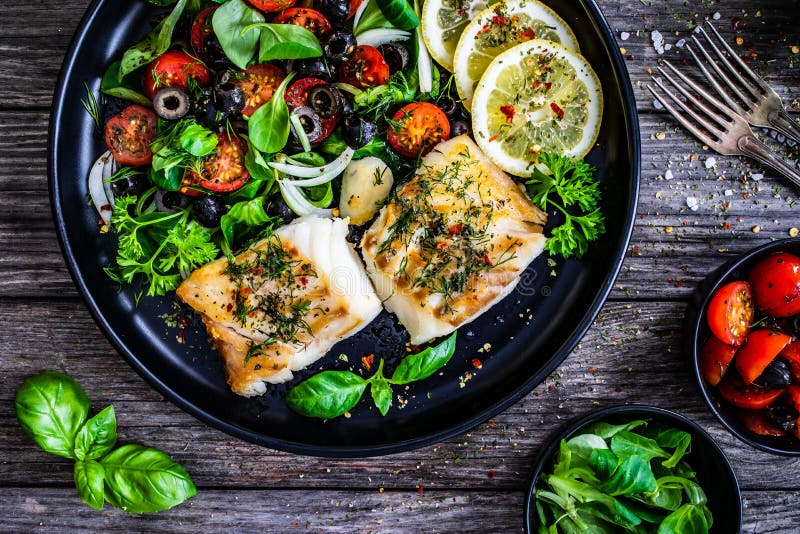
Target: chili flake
557	110
508	111
367	361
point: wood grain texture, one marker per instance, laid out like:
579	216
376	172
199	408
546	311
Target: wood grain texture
474	482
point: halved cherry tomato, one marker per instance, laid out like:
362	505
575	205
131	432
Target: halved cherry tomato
730	312
258	83
201	30
792	351
366	68
174	69
758	351
129	134
776	284
715	357
757	422
793	396
741	395
296	94
225	171
416	128
270	6
307	18
354	5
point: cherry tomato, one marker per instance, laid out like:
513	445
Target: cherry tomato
190	186
129	134
225	171
416	128
201	30
715	357
296	95
366	68
741	395
758	351
271	6
776	284
792	351
258	83
730	312
757	422
354	5
310	19
174	69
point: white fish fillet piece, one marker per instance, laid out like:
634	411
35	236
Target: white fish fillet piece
323	283
452	242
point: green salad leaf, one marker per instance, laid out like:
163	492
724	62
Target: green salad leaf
125	87
154	43
230	22
285	41
243	220
269	124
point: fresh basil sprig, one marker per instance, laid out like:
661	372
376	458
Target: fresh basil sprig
53	409
269	124
330	394
154	43
229	23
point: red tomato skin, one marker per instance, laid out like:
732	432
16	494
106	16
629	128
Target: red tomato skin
756	422
296	94
776	284
135	151
715	357
258	83
354	5
792	351
366	68
271	6
305	17
738	394
227	147
411	117
201	30
758	351
173	69
792	393
730	312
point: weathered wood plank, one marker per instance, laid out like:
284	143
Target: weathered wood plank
265	510
631	355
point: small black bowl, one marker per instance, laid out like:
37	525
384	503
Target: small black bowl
714	472
697	332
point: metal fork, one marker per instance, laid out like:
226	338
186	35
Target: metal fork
754	99
723	130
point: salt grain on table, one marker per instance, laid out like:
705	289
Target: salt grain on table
624	36
692	203
710	162
757	177
658	41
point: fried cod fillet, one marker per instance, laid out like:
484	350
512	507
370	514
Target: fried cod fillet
452	242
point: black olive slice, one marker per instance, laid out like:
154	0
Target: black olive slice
171	103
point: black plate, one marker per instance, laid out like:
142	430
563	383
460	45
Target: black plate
523	351
697	332
714	471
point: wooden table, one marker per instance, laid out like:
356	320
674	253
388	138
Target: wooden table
473	482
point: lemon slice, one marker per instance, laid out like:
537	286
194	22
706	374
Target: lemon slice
536	97
498	28
442	23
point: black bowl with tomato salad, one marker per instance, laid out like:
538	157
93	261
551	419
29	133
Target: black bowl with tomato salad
743	338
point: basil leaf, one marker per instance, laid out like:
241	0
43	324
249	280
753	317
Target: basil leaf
422	365
399	13
51	408
269	125
688	519
142	480
197	140
98	436
310	159
326	395
381	395
125	87
285	41
321	195
244	218
230	22
154	43
89	477
168	177
256	164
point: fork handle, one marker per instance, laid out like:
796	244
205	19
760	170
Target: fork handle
752	147
781	121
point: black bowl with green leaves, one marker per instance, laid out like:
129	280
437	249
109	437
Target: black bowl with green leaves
645	447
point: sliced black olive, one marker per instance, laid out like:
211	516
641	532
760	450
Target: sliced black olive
206	112
336	10
396	56
782	416
339	46
312	124
777	375
214	55
449	105
278	208
130	185
170	201
315	67
357	131
459	127
171	103
326	100
209	210
230	98
347	103
112	106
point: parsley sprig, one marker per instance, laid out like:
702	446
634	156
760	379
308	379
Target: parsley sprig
161	248
568	186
